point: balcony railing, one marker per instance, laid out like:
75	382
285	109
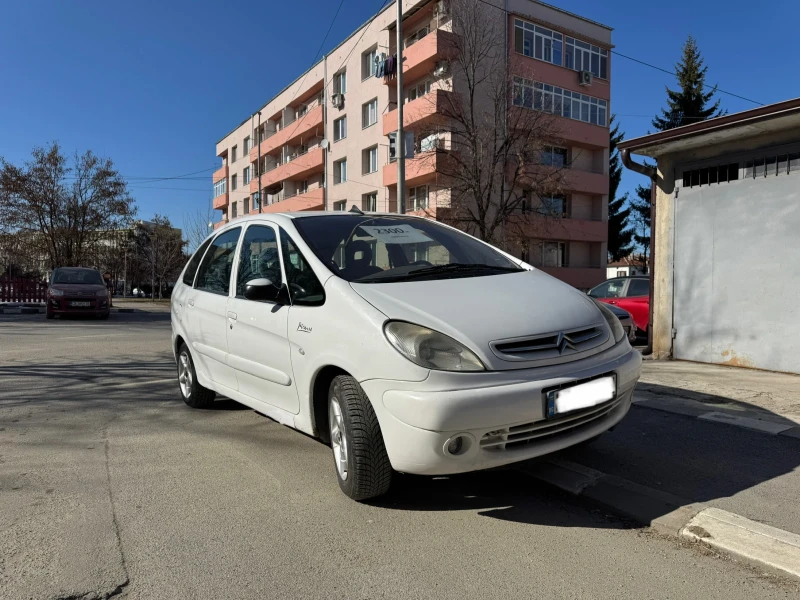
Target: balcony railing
424	112
421	57
289	132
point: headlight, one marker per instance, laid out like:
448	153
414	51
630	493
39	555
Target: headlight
103	293
430	349
56	292
612	320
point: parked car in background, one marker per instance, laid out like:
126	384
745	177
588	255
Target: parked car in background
631	294
627	321
139	293
77	291
406	344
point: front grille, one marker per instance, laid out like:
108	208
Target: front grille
550	345
518	436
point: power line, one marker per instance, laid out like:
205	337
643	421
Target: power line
641	62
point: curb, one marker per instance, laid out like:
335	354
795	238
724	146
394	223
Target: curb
697	410
40	311
746	540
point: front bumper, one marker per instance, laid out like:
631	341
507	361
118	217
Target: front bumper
500	415
63	305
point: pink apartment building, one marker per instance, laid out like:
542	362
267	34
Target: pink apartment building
323	140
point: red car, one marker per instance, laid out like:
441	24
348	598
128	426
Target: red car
629	293
77	291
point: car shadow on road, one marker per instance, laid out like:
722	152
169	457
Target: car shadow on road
685	461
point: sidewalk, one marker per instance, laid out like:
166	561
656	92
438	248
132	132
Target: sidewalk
760	400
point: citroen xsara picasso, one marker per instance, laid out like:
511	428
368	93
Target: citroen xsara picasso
407	345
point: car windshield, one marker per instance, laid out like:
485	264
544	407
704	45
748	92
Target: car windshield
367	249
78	276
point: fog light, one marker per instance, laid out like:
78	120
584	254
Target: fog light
455	445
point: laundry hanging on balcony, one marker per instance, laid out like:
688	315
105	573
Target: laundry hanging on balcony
385	66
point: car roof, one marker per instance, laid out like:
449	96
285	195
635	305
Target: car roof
75	269
311	214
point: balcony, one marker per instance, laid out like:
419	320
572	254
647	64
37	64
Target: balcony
572	180
311	200
564	229
219	224
221	173
421	58
301	167
420	169
420	113
220	202
290	133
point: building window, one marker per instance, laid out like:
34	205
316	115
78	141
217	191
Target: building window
256	201
369	202
717	174
220	187
340	83
621	274
234	209
302	186
581	56
302	110
368	65
340	171
369	113
340	129
553	205
556	100
554	156
234	150
418	91
339	205
370	157
234	181
246	176
554	254
537	42
247	206
417	198
247	145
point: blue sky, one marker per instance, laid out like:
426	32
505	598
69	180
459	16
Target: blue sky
155	84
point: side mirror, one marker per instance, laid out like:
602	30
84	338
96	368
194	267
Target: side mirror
261	290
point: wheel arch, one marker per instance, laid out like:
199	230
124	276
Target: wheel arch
320	385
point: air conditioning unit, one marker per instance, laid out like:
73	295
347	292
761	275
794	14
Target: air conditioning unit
337	100
443	68
440	9
585	77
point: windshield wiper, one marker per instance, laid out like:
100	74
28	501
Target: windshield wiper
458	268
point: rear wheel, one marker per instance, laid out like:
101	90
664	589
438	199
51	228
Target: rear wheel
49	314
362	465
194	394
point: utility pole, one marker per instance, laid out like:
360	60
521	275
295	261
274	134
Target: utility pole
258	140
400	150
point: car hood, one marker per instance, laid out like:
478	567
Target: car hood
479	310
79	289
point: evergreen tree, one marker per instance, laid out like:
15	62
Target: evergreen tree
619	236
640	217
690	103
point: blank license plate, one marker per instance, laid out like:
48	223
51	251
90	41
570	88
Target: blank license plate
583	395
80	303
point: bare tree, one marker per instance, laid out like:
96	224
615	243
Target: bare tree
497	167
67	209
161	251
197	226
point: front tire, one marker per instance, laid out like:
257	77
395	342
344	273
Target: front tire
194	394
359	454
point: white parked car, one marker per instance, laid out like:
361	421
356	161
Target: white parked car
406	344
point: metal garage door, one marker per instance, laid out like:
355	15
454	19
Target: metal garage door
737	273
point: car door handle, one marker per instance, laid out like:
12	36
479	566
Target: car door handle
190	302
232	315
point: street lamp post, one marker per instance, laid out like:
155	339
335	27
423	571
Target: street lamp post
401	158
258	140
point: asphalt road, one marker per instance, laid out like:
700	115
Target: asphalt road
110	485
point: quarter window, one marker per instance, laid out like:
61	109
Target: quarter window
638	287
214	274
304	287
191	268
259	258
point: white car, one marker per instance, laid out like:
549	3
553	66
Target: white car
406	344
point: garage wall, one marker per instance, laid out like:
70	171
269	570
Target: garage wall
737	273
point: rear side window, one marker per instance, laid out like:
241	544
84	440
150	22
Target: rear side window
639	287
609	289
214	274
191	267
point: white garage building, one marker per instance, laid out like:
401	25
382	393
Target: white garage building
726	248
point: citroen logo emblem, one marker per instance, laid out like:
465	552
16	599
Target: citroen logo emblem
563	343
